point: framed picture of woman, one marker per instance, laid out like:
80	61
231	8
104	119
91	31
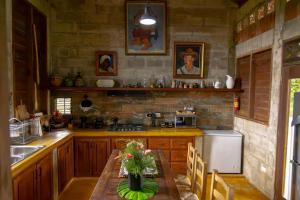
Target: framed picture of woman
188	60
106	63
145	39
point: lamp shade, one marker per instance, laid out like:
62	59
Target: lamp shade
147	18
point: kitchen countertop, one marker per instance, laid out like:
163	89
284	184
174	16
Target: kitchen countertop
58	137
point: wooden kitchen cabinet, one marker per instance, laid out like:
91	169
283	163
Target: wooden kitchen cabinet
35	182
24	185
45	178
175	150
159	143
100	152
120	142
91	155
65	159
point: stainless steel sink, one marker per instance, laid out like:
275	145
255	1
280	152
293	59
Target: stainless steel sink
18	153
15	159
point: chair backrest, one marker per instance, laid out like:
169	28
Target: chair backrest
218	182
200	178
190	162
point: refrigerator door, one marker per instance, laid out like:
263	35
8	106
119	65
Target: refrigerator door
296	150
295	190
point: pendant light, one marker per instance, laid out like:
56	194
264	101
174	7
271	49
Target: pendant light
147	18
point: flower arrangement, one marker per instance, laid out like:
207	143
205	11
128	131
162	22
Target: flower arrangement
136	158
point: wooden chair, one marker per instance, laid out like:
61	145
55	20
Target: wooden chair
185	182
200	179
218	182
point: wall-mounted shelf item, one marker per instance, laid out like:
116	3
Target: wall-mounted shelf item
99	89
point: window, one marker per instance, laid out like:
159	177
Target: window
63	105
255	74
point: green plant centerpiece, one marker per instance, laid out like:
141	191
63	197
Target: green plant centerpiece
136	159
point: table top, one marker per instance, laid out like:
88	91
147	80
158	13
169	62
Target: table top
106	187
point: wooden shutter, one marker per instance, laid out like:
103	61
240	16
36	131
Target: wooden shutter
243	72
262	77
21	39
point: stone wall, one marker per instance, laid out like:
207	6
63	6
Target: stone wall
260	140
214	110
82	27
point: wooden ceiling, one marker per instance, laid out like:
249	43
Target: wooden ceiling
240	2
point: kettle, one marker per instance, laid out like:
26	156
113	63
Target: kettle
229	82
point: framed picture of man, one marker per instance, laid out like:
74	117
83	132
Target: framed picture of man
145	39
106	63
188	60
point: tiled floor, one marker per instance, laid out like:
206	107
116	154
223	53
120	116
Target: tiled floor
82	188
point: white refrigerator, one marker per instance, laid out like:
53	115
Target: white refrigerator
222	150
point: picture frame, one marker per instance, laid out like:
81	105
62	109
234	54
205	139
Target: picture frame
106	63
188	60
141	39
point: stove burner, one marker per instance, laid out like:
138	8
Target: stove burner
126	127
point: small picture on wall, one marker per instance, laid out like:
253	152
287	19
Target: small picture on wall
188	60
106	63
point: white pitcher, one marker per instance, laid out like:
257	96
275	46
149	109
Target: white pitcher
229	82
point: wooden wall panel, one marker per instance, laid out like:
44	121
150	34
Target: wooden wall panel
261	65
22	53
243	73
24	16
292	10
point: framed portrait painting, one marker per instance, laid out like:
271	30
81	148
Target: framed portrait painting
188	60
106	63
145	39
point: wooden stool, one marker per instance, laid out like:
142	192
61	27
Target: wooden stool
215	194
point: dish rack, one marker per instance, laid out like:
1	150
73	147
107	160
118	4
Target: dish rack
24	132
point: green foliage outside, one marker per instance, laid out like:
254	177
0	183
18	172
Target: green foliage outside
294	87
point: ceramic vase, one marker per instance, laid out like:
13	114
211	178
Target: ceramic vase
229	82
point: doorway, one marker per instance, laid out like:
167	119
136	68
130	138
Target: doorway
290	85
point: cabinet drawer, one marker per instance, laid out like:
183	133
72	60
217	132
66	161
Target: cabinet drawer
167	154
178	155
181	143
159	143
178	167
120	143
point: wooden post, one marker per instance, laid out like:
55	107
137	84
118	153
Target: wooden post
276	73
5	171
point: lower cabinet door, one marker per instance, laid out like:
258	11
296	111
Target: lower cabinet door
24	185
100	152
69	167
82	157
178	167
45	178
61	165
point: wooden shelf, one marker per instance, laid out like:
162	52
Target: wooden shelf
99	89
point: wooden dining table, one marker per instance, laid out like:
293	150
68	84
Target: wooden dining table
106	187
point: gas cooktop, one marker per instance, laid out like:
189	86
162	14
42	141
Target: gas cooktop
126	127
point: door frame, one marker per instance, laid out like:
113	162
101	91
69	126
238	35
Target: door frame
288	72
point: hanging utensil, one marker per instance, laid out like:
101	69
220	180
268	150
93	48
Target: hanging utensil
36	55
